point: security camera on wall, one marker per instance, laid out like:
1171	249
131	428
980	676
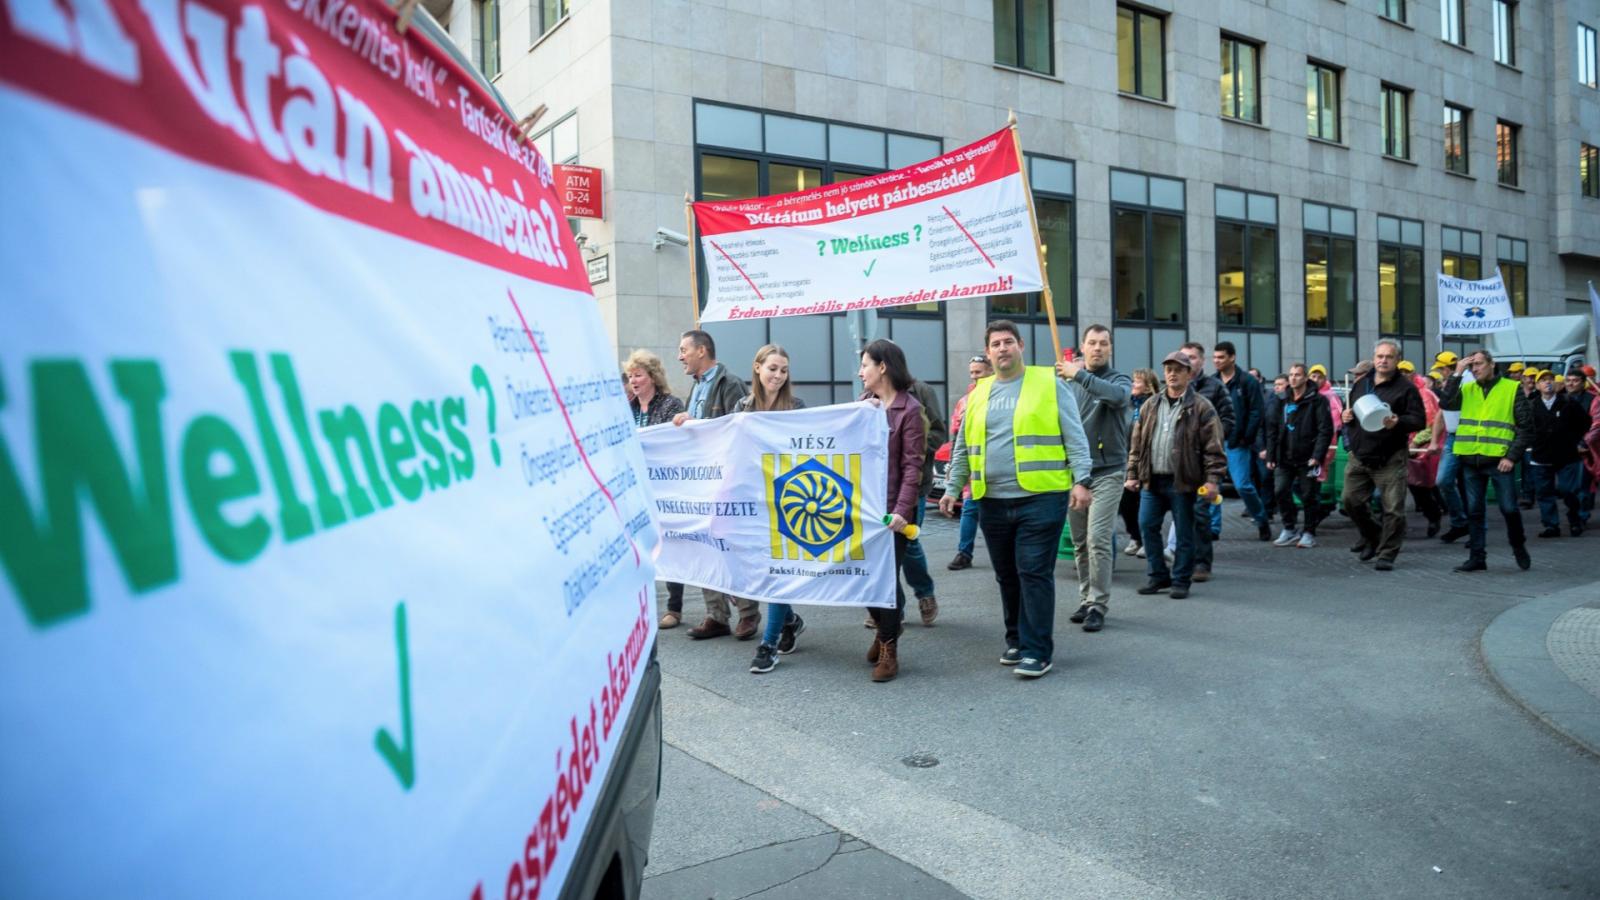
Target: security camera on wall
665	235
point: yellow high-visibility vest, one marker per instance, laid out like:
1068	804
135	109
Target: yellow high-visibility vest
1488	422
1037	445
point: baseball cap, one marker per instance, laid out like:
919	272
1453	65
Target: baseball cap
1319	367
1406	366
1360	368
1542	374
1179	357
1515	367
1445	358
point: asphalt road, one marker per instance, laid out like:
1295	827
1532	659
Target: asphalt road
1302	725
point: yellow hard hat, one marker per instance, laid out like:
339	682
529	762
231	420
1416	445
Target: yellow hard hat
1542	374
1406	366
1515	368
1445	358
1319	367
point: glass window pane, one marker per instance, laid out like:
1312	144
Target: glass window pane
1005	32
1411	291
1230	204
1472	243
1263	277
1264	209
1388	229
726	127
1330	104
1228	82
1316	261
1152	61
1411	233
1471	268
1166	193
1009	306
1126	187
1127	259
725	178
1126	78
1036	35
845	175
1388	298
1450	240
1249	103
1450	264
782	179
1342	285
1313	107
806	339
1230	274
905	150
858	146
1055	232
796	137
1166	257
1314	216
1053	175
1343	221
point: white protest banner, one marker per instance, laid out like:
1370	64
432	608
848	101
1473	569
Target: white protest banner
325	552
785	507
1473	307
955	226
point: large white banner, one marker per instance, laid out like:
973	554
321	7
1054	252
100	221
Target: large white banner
954	226
325	552
784	507
1473	307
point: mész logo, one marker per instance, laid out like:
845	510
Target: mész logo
813	506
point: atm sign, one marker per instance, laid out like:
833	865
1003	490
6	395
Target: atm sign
580	190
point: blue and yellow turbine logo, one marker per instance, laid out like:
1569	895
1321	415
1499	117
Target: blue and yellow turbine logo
813	506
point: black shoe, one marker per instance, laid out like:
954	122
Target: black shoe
1473	564
1550	532
962	561
1078	615
1524	561
766	660
1155	586
1095	621
1011	657
792	629
1178	593
1360	547
1433	528
1456	533
1525	504
1368	553
1265	531
1575	529
1384	565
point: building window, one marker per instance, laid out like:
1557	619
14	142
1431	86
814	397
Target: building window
1393	9
1505	152
1400	277
1322	101
1147	283
558	141
1505	32
1586	57
1330	259
548	14
1241	81
1053	182
1513	254
1452	21
1396	124
1247	259
1462	255
1589	169
1457	119
486	40
1023	35
1141	53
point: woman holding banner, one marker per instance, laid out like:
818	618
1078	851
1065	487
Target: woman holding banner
887	380
770	392
652	403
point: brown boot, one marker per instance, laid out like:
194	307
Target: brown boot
710	628
888	661
874	650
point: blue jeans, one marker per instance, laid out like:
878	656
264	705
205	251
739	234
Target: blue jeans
1155	501
1023	535
777	616
1207	526
1558	483
1505	495
968	541
916	564
1450	484
1241	470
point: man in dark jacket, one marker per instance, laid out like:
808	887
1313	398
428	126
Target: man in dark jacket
1559	424
1208	521
1298	435
1244	395
1488	446
1378	457
716	393
1272	394
915	564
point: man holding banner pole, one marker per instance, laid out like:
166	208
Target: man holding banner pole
1023	448
1105	404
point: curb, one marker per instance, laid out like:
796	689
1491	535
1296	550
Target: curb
1515	651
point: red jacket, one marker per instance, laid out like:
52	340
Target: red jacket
908	442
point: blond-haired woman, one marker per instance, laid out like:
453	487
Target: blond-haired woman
652	403
770	392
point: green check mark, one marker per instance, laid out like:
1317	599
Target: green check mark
402	759
868	269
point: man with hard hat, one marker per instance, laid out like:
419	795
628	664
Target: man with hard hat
1407	368
1318	376
1452	489
1496	427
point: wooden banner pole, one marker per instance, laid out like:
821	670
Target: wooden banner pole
1033	220
694	277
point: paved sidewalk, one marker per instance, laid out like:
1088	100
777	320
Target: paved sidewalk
1546	654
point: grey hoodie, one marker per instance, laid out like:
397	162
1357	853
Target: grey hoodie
1105	404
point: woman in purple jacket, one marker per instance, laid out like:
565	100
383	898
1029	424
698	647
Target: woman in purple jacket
888	381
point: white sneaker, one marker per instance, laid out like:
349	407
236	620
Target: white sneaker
1286	538
1307	541
1140	554
1132	549
1171	557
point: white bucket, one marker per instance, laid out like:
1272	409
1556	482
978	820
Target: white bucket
1370	412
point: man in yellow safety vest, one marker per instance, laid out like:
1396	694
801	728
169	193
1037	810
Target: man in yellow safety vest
1496	427
1023	448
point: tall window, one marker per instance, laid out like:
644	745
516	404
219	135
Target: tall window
1247	259
1505	32
1505	151
1400	277
1141	53
558	141
1330	259
1053	182
1456	121
1322	101
1396	122
1393	9
1589	170
1586	57
1241	81
1513	254
1147	247
1462	255
486	39
1452	21
1023	36
549	14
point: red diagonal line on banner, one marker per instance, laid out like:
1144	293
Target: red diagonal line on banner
576	442
741	272
968	234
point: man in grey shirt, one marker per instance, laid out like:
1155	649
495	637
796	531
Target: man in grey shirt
1023	449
